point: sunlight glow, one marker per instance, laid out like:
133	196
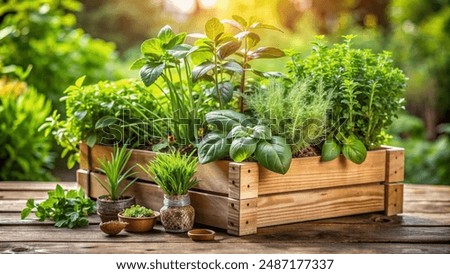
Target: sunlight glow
207	4
182	6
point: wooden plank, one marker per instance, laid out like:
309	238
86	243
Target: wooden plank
426	193
13	218
393	201
213	177
243	180
310	173
436	207
395	164
319	204
210	209
242	216
217	247
294	233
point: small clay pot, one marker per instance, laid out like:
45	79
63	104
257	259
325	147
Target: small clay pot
139	224
108	209
113	227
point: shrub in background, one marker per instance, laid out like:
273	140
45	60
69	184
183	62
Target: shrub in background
24	153
43	33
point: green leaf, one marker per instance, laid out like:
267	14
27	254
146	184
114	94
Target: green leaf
91	140
152	47
275	156
226	91
80	114
25	212
177	40
30	203
226	119
105	121
79	81
264	26
330	150
149	74
166	34
59	191
242	148
213	147
139	63
241	21
214	28
61	223
182	51
354	150
238	132
266	52
262	132
228	49
201	70
233	66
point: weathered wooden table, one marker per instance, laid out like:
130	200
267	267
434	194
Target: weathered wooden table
423	228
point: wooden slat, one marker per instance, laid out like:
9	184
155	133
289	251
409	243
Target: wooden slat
210	209
426	193
322	203
217	247
310	173
243	180
34	186
393	199
213	177
395	164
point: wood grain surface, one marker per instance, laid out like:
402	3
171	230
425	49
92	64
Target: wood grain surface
424	227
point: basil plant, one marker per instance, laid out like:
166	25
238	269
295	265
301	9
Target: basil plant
238	136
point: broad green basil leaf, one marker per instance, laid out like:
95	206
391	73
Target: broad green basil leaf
182	51
354	150
330	150
201	70
166	34
275	156
226	119
262	132
213	28
228	49
242	148
152	47
177	40
139	63
149	74
238	132
213	147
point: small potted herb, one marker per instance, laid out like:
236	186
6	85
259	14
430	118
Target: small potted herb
139	218
174	174
108	206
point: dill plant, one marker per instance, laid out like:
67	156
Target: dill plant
297	113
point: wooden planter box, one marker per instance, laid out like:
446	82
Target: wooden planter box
241	197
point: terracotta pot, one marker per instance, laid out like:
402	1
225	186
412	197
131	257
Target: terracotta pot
139	224
108	209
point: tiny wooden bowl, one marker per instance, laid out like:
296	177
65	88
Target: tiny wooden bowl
201	234
113	227
140	224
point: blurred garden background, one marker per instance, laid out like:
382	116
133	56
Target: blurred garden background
45	45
